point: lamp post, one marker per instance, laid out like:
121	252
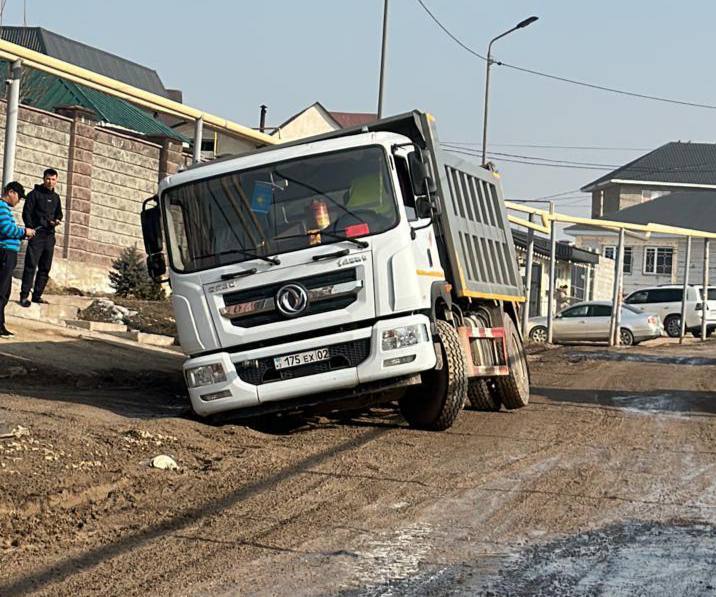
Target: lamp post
490	61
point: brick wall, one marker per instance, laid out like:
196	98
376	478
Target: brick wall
124	174
104	176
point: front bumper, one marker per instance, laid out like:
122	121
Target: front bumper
235	393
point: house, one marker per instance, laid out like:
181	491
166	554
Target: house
316	119
675	185
672	167
587	275
658	258
48	92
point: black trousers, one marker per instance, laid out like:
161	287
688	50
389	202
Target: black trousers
8	259
38	258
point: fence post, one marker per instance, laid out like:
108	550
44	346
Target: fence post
705	289
528	277
687	263
13	107
198	138
552	263
615	323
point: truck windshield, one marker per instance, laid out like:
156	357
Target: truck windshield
279	208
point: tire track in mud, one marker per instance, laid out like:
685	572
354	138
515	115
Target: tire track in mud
181	520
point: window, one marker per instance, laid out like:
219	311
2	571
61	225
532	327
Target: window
638	298
658	260
578	311
610	252
279	208
665	295
600	310
406	188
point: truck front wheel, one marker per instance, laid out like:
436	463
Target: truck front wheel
514	388
436	403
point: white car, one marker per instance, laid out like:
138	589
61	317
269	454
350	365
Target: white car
666	302
589	321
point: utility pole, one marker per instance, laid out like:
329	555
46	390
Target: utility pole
382	59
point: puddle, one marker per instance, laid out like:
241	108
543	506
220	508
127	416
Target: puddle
671	402
631	559
640	358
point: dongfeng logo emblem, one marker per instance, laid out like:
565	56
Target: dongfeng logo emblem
292	300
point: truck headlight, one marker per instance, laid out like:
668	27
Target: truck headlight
205	375
401	337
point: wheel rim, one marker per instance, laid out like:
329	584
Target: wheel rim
626	338
673	327
539	335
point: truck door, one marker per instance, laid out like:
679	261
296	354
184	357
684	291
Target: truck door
425	250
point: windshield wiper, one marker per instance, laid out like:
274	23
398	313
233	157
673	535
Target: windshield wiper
361	243
249	254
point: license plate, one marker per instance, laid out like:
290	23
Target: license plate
301	358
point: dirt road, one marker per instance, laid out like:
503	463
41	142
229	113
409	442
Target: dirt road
605	484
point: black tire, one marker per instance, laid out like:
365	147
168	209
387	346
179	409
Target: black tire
626	338
482	395
435	404
514	388
672	325
697	333
538	334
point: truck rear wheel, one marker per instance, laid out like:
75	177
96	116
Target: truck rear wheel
514	388
436	403
483	395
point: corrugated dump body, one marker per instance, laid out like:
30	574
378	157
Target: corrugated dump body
474	222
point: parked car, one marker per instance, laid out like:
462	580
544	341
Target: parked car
590	321
666	301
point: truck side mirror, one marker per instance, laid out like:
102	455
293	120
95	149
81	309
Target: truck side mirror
421	182
151	219
424	207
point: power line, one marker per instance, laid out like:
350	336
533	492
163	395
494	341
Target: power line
532	157
533	163
565	79
534	146
449	34
540	161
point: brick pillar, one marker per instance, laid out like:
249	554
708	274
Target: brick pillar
79	183
170	155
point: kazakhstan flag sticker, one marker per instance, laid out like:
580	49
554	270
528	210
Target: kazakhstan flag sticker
262	198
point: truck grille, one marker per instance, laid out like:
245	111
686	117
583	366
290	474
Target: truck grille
269	291
343	356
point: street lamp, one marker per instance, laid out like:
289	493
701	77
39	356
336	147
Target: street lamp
490	61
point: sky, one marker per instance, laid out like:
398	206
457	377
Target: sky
229	57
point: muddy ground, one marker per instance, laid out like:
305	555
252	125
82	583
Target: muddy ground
605	484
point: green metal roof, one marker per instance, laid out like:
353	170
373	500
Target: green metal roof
47	92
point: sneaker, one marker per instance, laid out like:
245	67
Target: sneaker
40	301
5	333
24	302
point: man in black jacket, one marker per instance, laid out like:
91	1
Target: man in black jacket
43	212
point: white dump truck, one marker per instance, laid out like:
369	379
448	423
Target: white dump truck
365	262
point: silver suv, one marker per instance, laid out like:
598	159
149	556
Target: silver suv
665	301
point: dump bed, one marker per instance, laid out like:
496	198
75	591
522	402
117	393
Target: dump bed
474	223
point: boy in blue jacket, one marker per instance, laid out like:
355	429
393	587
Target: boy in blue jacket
10	236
